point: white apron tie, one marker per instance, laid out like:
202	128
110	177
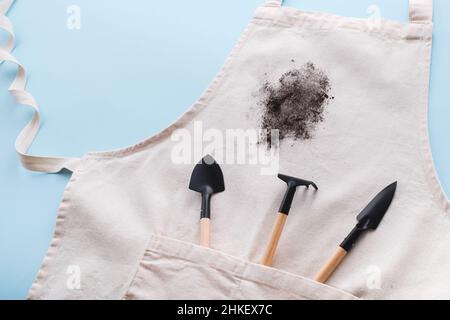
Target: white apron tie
21	96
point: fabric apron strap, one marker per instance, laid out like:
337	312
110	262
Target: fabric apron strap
273	3
18	91
6	25
5	5
420	10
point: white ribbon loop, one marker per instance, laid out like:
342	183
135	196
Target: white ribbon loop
21	96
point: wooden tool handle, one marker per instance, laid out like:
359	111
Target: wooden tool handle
331	265
274	238
205	231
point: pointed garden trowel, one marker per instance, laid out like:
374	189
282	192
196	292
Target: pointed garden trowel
207	178
292	184
368	219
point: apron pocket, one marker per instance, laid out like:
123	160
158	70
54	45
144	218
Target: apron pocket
173	269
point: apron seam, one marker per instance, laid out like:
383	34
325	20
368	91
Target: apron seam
437	192
59	232
135	276
242	277
159	244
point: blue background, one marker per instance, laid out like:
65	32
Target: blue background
111	83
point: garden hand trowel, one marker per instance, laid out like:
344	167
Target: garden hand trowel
207	178
368	219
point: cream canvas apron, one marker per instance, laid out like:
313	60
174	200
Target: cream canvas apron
129	224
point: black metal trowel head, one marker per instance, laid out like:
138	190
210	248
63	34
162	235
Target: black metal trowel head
207	178
371	216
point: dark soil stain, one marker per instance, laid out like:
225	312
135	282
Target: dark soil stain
295	104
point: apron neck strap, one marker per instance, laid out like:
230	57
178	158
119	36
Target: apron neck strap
273	3
420	11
